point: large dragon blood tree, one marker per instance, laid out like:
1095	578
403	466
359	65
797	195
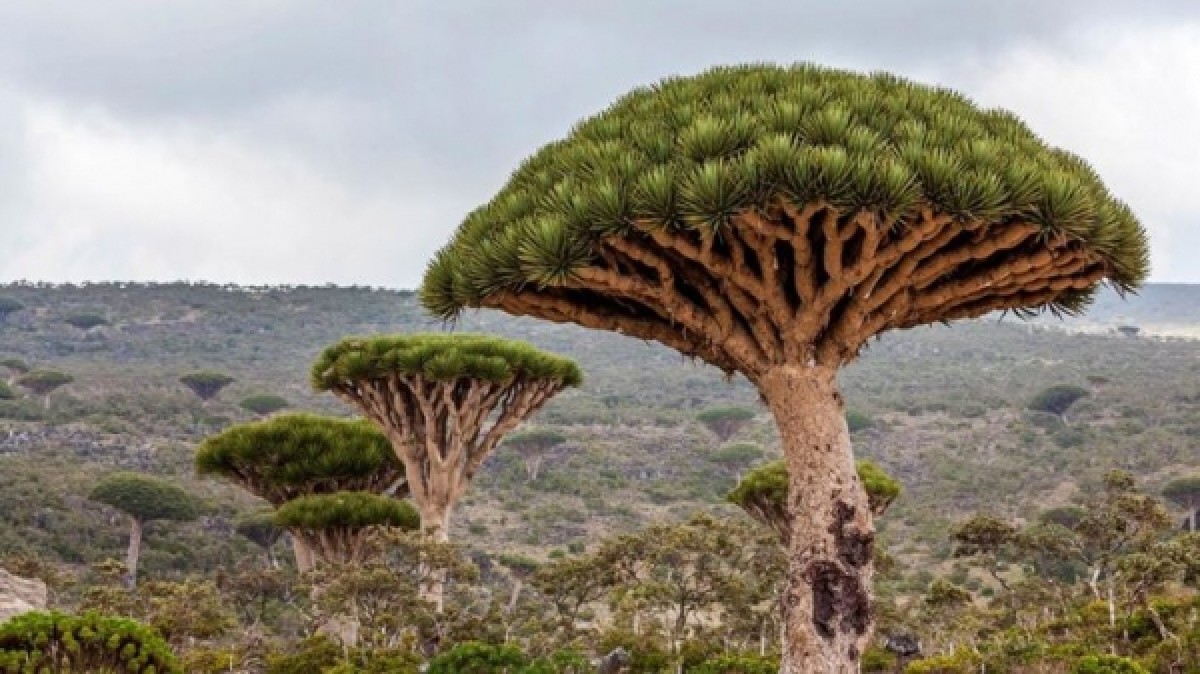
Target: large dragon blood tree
771	221
445	401
297	455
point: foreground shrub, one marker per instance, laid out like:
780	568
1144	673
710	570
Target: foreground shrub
1107	664
737	664
57	642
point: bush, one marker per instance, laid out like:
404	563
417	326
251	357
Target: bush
959	662
473	657
57	642
315	654
741	663
1107	664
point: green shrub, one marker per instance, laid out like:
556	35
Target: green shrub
959	662
57	642
737	663
1107	664
473	657
315	654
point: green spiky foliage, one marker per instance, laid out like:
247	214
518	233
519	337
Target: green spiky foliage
86	320
337	525
57	642
9	306
293	455
763	492
206	385
346	510
145	497
687	168
264	403
439	357
43	382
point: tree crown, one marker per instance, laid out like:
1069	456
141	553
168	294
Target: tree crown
145	498
347	510
44	381
537	439
1184	491
86	320
300	453
720	414
1058	399
264	403
439	357
647	212
206	384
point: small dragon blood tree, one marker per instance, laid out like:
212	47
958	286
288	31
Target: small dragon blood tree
337	525
771	221
294	455
445	401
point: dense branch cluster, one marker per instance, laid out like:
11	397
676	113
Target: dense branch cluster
758	216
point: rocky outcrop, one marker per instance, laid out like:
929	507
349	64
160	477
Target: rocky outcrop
20	595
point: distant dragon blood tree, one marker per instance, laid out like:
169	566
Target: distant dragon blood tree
445	401
337	524
725	422
206	385
144	498
771	221
533	445
294	455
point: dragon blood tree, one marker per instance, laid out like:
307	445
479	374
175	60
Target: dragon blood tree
771	221
294	455
445	401
338	524
144	498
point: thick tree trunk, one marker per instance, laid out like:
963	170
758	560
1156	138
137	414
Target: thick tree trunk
134	551
435	524
304	553
826	604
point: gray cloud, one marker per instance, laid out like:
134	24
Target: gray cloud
314	141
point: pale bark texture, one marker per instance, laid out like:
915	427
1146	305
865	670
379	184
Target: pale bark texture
827	614
303	552
134	551
435	525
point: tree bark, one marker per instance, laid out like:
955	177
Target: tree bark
435	524
134	551
303	552
827	602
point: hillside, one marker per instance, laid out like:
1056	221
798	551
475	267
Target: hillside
946	409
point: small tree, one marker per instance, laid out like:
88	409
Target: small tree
9	306
143	498
338	523
264	404
533	445
1058	399
988	538
445	401
56	642
738	455
6	392
725	422
1185	493
260	528
763	493
86	320
293	455
44	382
206	385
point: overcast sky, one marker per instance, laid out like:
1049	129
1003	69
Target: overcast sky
311	142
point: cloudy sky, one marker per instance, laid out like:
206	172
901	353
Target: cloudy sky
263	141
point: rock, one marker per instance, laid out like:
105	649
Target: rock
20	595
